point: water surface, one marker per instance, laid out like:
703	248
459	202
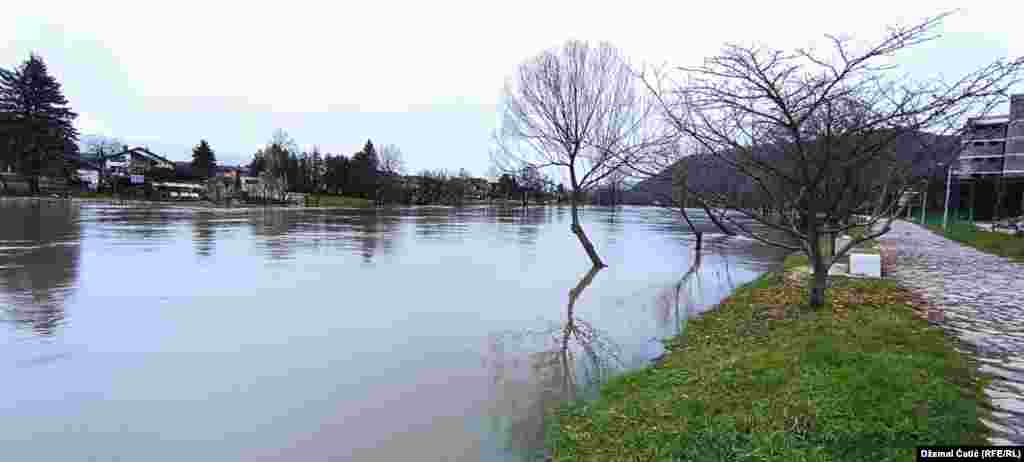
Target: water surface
167	334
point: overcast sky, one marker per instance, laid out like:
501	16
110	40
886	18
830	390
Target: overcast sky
425	76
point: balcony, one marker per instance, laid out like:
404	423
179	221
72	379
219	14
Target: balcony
982	148
1014	165
979	165
985	132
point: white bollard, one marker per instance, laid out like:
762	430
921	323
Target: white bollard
866	264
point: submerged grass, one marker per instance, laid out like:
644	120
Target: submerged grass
996	243
94	195
328	200
763	378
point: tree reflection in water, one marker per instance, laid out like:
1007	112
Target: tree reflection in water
535	370
688	296
675	304
39	262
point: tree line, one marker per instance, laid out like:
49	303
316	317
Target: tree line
380	175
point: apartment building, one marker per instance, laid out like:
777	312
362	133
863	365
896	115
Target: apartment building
990	168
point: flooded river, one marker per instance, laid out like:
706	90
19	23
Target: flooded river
432	334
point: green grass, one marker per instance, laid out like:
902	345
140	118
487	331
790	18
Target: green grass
795	260
1002	244
762	378
327	200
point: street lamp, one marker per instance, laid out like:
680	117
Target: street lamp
945	207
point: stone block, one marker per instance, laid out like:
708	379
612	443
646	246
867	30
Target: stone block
862	264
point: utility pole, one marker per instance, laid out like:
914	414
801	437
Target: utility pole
924	202
945	208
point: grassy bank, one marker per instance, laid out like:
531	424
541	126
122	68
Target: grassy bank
762	378
93	195
327	200
1002	244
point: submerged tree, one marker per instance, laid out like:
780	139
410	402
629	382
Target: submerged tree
808	140
37	120
575	108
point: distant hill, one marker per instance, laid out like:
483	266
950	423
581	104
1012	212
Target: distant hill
924	151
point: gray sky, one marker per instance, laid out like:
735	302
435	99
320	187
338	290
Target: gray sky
425	76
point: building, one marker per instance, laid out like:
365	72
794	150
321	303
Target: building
89	178
178	191
478	189
135	161
231	171
990	168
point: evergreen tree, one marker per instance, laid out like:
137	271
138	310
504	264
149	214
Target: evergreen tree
204	162
371	152
258	164
316	169
363	171
37	120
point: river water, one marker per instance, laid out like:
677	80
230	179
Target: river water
137	332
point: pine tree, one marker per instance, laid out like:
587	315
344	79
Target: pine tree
204	161
364	171
37	119
258	164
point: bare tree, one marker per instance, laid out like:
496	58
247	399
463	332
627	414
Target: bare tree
577	108
811	140
98	148
392	166
392	161
276	153
529	180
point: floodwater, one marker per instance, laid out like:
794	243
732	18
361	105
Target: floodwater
436	334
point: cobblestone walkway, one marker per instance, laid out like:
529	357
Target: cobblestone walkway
982	298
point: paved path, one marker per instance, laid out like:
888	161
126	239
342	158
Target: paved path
982	297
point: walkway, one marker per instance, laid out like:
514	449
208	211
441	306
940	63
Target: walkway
982	297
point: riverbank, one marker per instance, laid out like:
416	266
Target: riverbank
760	377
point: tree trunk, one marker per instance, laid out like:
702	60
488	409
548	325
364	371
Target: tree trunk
819	279
818	284
582	236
